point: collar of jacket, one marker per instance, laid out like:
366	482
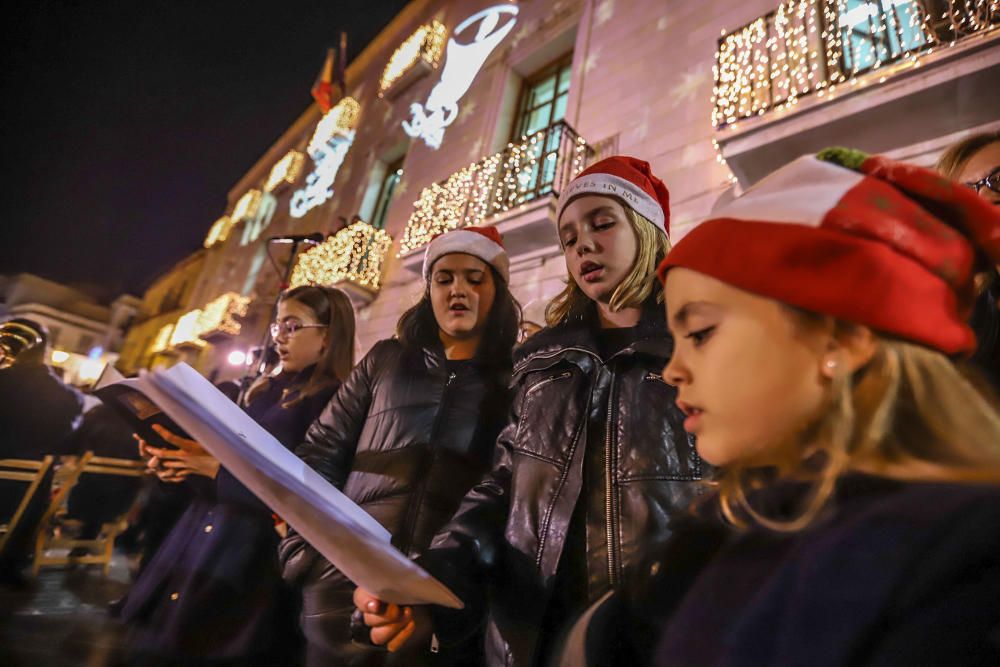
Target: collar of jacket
574	337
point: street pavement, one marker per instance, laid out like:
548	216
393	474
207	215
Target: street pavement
61	618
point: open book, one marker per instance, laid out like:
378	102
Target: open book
336	527
129	402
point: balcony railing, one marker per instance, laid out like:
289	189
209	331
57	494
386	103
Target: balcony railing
355	255
540	164
812	46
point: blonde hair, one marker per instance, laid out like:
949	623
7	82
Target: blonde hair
954	159
910	408
651	247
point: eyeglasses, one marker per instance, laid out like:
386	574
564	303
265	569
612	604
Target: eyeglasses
992	182
290	327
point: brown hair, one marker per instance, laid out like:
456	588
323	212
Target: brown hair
910	409
418	328
333	308
953	159
641	282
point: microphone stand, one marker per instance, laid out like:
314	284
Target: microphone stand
254	371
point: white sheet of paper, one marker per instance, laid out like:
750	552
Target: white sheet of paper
340	530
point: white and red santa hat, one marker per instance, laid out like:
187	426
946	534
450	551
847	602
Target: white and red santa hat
862	238
629	179
482	242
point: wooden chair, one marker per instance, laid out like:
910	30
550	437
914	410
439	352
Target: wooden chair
98	550
22	470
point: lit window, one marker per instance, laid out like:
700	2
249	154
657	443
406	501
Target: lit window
542	106
392	177
877	32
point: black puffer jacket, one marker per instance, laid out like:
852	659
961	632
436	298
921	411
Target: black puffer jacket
405	437
513	525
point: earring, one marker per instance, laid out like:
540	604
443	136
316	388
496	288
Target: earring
831	364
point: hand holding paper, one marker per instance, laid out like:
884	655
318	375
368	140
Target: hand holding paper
336	527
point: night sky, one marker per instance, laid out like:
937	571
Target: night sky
126	123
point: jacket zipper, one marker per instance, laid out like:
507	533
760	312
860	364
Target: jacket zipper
609	488
418	496
561	376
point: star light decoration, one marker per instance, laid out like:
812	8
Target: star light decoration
493	185
426	44
355	253
286	170
815	46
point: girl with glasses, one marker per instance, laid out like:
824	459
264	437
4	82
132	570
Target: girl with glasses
213	592
975	162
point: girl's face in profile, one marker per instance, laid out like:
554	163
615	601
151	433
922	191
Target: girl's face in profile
749	374
301	340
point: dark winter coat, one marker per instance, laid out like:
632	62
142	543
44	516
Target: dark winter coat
214	588
38	414
513	525
895	573
405	437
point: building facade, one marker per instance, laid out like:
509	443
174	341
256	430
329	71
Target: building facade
478	112
84	334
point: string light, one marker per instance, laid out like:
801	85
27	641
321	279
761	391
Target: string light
285	170
496	184
355	253
816	46
162	339
246	206
426	44
215	319
808	46
219	231
186	330
219	316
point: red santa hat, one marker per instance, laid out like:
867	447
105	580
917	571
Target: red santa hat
862	238
630	180
482	242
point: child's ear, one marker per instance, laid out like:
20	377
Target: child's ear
850	348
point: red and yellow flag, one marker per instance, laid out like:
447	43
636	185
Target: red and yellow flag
322	90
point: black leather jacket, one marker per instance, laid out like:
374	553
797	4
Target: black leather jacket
513	525
405	437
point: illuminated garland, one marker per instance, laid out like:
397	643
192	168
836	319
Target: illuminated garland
162	339
219	231
285	170
246	206
186	330
339	120
426	44
355	253
219	316
772	62
493	185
